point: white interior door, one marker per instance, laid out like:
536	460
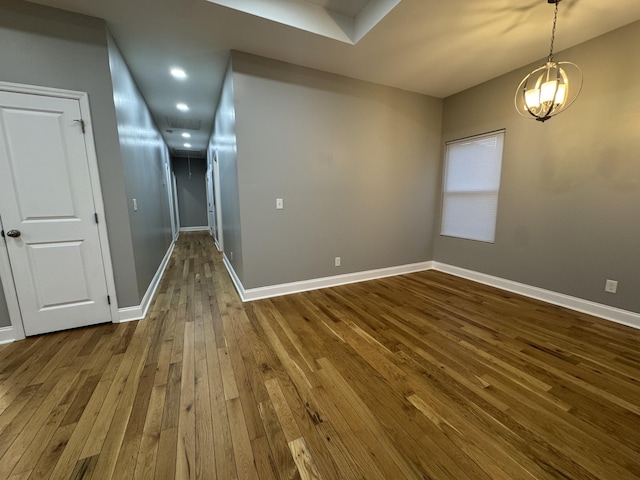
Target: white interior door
218	203
176	210
48	214
172	213
211	209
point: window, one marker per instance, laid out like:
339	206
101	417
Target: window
471	186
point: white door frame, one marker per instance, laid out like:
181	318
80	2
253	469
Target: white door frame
211	221
176	207
5	267
10	294
169	182
219	238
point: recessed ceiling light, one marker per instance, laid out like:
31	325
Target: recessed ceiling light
178	73
183	107
188	145
186	135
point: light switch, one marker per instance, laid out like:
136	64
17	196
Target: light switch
135	205
279	204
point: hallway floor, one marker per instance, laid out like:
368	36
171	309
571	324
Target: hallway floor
424	376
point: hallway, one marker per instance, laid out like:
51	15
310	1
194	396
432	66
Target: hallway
420	376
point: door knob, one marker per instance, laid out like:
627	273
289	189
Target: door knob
13	233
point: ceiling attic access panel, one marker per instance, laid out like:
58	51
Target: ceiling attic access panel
347	21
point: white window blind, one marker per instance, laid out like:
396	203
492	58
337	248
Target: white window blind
471	186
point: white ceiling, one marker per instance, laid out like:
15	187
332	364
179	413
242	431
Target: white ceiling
346	22
349	8
434	47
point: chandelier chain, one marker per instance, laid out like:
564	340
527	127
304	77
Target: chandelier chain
553	30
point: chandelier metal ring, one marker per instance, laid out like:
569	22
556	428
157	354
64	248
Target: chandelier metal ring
547	90
551	88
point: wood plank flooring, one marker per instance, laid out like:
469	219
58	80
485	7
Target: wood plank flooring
424	376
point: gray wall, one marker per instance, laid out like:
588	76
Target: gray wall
569	208
48	47
356	164
145	159
191	191
223	141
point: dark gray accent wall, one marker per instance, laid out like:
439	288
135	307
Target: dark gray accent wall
223	141
145	161
569	208
191	190
53	48
356	164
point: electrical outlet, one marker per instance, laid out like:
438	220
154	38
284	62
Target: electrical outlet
279	204
337	261
611	286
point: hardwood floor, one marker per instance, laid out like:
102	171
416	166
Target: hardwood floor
424	376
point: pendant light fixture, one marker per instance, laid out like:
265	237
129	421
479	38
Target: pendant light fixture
551	88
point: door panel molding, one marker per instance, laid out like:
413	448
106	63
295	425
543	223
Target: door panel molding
94	175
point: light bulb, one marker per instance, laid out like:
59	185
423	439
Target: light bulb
532	98
548	91
178	73
561	94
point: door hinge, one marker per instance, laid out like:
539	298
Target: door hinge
95	215
82	125
109	299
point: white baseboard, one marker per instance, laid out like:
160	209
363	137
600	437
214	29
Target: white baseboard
138	312
250	294
606	312
129	314
234	277
194	229
7	335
